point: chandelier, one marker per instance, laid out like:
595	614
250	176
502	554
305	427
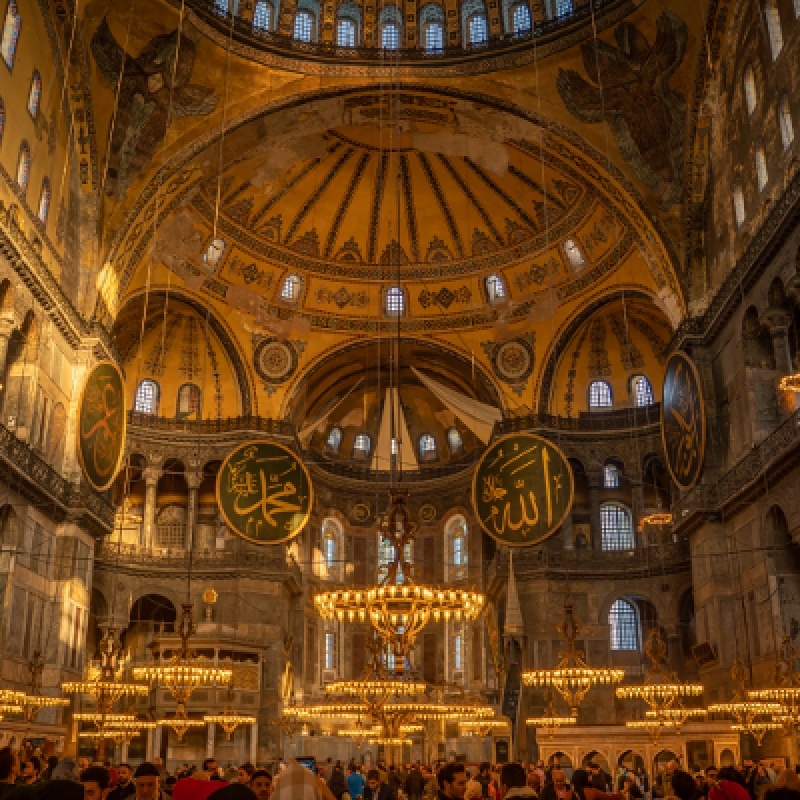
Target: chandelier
790	383
230	719
573	677
551	721
787	686
182	674
107	687
755	716
33	701
661	689
119	732
482	727
360	734
399	608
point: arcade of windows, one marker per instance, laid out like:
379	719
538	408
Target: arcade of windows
148	397
639	387
427	445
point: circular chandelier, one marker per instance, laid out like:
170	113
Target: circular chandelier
790	383
755	716
33	701
551	721
482	727
229	720
399	608
360	734
661	689
183	674
107	687
573	677
787	686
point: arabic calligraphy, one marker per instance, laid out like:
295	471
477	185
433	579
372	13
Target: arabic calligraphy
264	492
522	489
683	427
101	428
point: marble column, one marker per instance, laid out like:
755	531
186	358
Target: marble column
151	476
595	483
211	732
6	327
253	731
778	321
193	481
637	510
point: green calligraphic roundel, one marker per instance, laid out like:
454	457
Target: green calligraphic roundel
101	425
683	421
264	492
522	489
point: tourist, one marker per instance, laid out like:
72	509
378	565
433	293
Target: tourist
296	782
683	786
337	782
414	785
514	782
261	784
245	773
147	781
729	786
210	766
355	782
582	787
452	780
125	787
558	788
484	778
376	789
786	779
96	783
29	773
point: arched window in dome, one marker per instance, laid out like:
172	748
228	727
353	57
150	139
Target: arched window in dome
332	548
362	445
761	167
750	91
574	254
600	395
348	27
345	33
147	396
334	440
616	527
214	253
478	29
562	8
44	201
454	442
303	26
23	166
456	541
394	303
221	7
434	37
292	288
188	406
520	19
390	36
11	26
262	17
495	288
774	28
641	391
784	119
738	205
35	94
610	475
427	448
390	24
624	623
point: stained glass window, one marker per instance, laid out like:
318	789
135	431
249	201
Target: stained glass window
44	201
395	302
600	395
434	38
303	26
262	17
478	33
495	288
146	400
11	26
335	440
521	18
784	117
346	33
23	166
292	288
35	94
390	37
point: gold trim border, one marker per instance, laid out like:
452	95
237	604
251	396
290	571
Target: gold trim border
115	471
537	438
310	492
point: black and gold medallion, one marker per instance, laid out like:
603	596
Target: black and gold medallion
522	489
264	492
101	425
683	421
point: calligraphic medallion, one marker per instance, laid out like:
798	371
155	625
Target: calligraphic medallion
522	490
101	425
275	361
264	492
683	421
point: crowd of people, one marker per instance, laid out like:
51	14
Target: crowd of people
32	778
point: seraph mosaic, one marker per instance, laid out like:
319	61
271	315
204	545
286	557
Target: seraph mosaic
147	104
628	86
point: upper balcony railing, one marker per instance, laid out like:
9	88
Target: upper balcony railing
708	498
41	478
250	422
587	422
243	32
